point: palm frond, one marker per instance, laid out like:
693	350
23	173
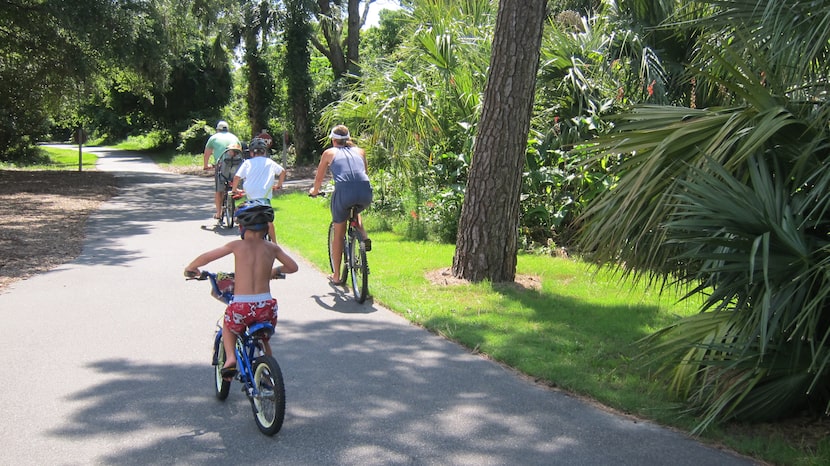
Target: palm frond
759	348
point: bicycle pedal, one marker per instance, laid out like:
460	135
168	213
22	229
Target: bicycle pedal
368	244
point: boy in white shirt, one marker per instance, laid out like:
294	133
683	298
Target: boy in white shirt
260	174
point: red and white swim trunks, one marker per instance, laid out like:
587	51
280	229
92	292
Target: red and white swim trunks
245	310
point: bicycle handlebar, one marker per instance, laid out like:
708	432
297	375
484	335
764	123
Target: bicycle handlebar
205	275
188	275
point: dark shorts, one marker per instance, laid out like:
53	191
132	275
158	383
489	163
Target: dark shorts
225	171
347	194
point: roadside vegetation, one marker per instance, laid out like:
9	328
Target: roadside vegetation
565	323
579	330
670	141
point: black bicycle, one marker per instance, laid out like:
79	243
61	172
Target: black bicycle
226	174
355	246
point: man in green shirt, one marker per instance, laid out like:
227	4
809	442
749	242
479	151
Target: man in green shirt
215	147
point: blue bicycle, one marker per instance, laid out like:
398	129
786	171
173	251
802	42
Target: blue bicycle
259	374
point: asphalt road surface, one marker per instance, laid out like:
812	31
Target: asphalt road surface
106	360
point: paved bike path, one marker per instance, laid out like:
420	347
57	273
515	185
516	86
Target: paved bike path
106	361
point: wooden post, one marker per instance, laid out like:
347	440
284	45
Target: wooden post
80	144
285	149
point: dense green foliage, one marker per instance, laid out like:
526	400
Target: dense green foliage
299	82
686	140
577	330
64	47
688	148
733	199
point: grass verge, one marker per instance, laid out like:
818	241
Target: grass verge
576	331
57	159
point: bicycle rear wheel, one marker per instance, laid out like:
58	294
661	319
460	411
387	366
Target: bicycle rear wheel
269	404
222	387
344	269
229	208
359	267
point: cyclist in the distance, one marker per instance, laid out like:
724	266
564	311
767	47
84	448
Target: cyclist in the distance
350	172
215	148
260	174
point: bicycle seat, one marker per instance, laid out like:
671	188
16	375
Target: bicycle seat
261	330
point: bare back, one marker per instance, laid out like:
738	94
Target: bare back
253	260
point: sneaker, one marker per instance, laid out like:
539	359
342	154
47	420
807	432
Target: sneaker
368	243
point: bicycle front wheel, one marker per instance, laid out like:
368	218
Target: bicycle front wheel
344	269
269	402
359	268
222	387
229	209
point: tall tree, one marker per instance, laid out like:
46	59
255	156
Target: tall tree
342	53
259	21
488	228
62	46
297	61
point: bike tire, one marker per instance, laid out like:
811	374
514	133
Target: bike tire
221	386
344	269
331	237
269	405
229	209
359	268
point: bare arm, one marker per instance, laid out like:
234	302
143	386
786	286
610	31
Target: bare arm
365	162
325	161
281	180
235	184
288	264
206	156
206	258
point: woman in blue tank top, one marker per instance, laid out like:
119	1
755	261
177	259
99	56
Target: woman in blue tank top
349	170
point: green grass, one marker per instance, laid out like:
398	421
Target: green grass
577	332
161	153
171	159
61	159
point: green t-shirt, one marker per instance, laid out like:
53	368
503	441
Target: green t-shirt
219	142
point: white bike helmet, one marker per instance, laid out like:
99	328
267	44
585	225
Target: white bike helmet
222	125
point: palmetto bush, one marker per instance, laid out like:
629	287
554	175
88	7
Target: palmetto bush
733	201
759	248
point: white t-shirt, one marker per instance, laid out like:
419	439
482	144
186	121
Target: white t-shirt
259	175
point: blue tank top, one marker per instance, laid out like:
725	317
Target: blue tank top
347	166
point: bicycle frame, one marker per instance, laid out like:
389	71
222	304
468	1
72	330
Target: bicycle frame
229	200
259	373
353	243
248	343
351	235
248	347
357	265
